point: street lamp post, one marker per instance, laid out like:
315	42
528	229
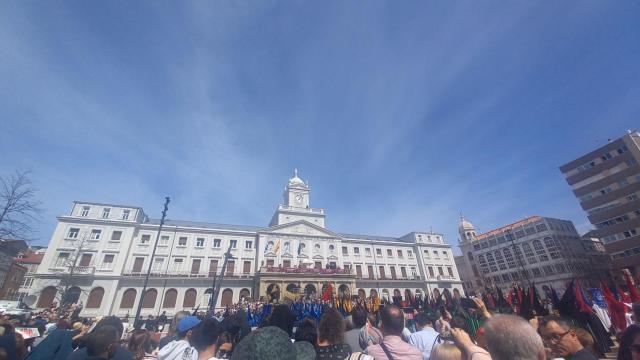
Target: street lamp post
146	278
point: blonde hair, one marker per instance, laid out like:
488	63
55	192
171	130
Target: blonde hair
445	352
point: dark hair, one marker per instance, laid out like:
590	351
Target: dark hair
99	340
111	321
140	343
392	320
627	338
307	331
421	319
563	323
282	318
205	334
359	317
331	327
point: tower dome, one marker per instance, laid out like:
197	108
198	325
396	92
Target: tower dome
466	230
295	180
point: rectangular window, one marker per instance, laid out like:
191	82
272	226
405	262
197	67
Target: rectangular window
367	251
270	262
213	267
164	240
230	267
85	211
400	254
345	250
182	241
445	254
389	253
426	254
177	264
107	262
216	243
62	259
393	272
370	271
356	250
105	213
403	272
248	244
381	270
157	264
436	255
286	263
95	234
85	260
116	235
137	264
246	267
317	265
73	233
440	272
379	252
199	242
144	239
359	271
450	271
195	266
125	214
410	253
234	244
431	274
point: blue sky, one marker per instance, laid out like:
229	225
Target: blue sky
400	114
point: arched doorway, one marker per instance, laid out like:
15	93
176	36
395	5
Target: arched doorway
273	292
310	290
149	299
72	295
189	301
95	298
128	299
170	297
293	288
227	298
245	294
47	297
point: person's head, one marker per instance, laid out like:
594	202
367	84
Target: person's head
445	352
510	337
392	320
630	344
560	335
359	318
282	318
307	331
331	328
185	327
205	336
140	343
113	321
103	342
173	328
422	320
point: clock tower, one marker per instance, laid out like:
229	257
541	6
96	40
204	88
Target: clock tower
296	204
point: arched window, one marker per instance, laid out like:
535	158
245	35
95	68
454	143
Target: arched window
170	298
227	298
492	262
310	290
72	295
47	297
500	260
149	299
483	264
128	299
189	299
95	298
542	254
509	257
245	294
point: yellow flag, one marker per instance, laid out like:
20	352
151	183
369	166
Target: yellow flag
276	248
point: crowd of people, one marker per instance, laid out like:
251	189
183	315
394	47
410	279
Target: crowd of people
518	325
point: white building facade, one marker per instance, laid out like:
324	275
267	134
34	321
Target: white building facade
100	253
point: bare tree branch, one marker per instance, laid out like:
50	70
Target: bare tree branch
19	207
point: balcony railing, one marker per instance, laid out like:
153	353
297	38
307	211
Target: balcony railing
183	274
298	270
310	210
445	277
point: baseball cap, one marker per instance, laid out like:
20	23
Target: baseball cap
187	323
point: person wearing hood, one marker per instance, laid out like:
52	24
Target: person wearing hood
181	349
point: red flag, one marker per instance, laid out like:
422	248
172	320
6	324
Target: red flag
633	291
327	293
582	305
616	309
623	295
509	298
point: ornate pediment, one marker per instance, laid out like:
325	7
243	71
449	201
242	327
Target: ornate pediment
301	227
319	257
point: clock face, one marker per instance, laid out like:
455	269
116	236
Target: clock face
299	199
